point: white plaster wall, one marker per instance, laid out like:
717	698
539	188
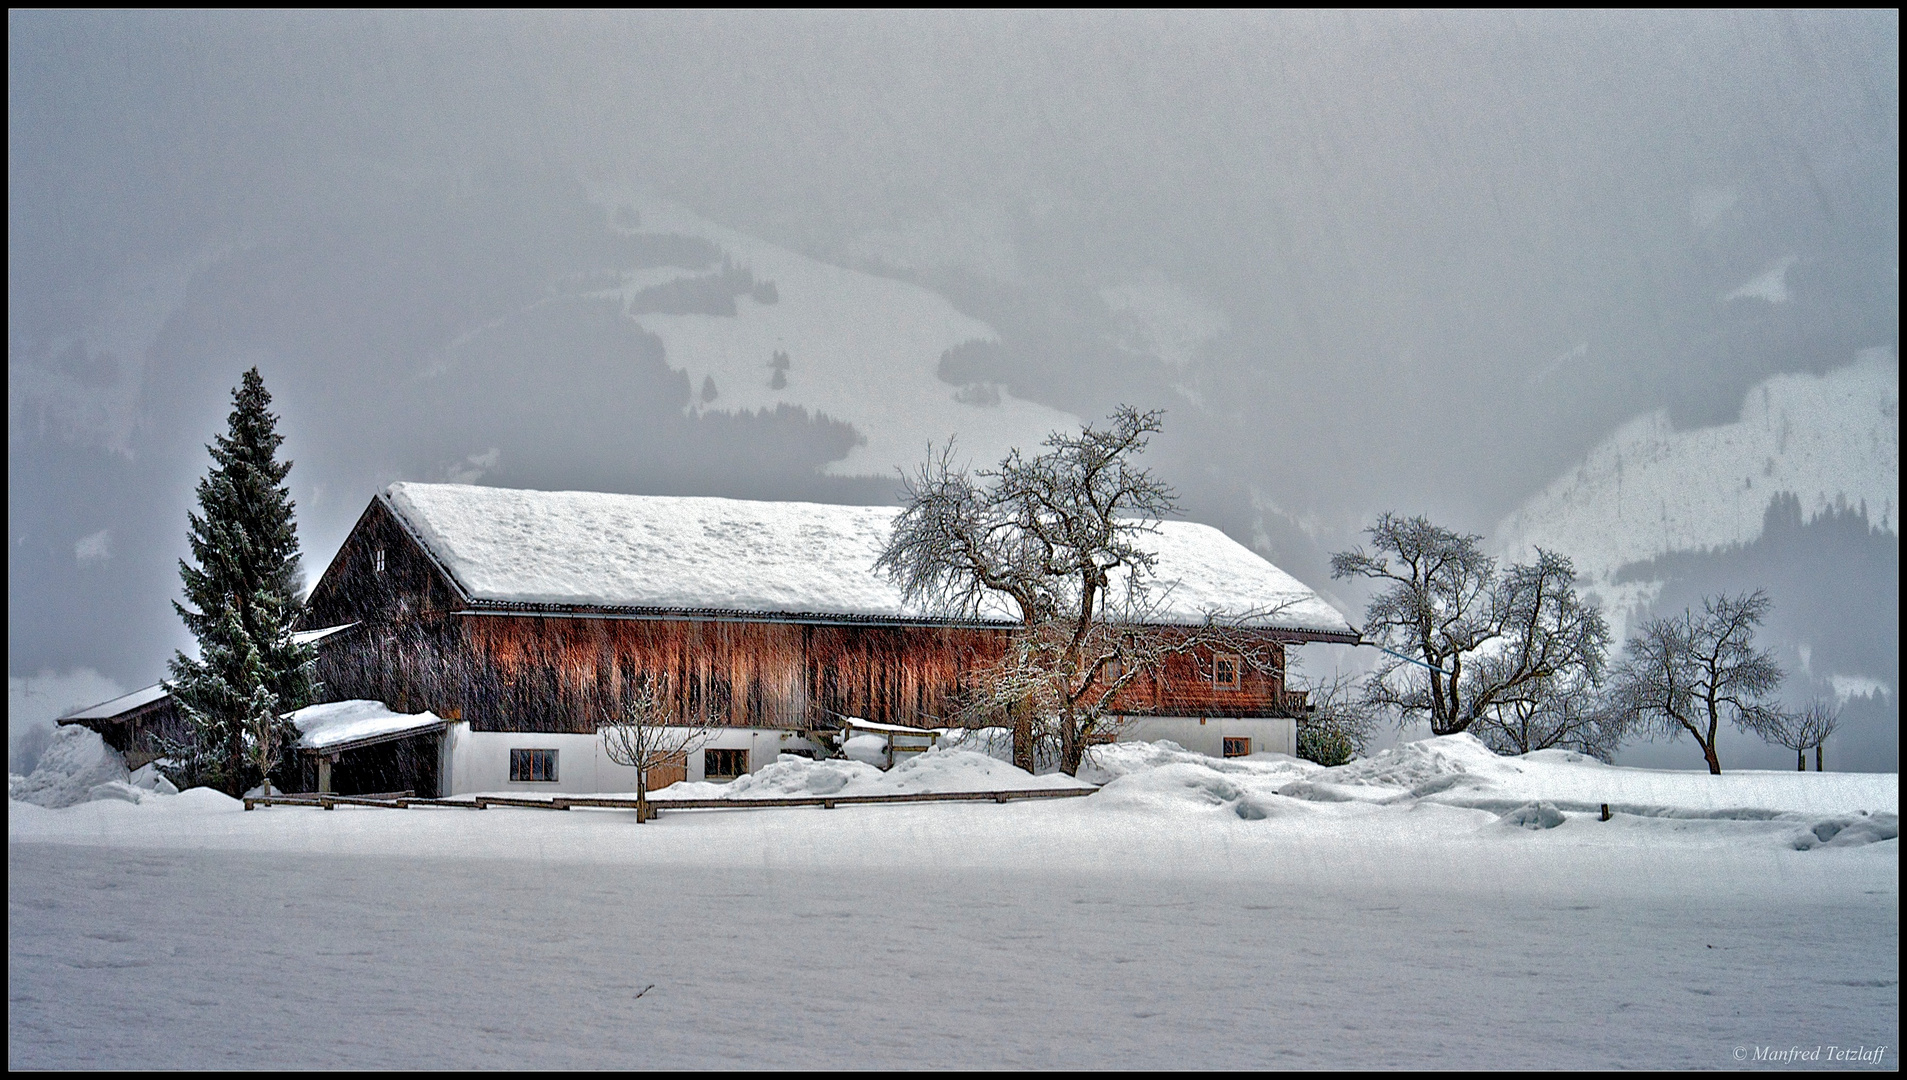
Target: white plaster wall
1206	735
479	761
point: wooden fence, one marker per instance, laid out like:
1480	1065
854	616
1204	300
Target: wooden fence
403	801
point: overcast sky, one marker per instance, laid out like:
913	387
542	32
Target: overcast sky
1416	262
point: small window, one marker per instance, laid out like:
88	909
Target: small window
1237	747
377	561
724	764
1225	672
532	765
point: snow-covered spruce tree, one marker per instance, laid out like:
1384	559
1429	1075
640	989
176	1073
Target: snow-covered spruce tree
240	603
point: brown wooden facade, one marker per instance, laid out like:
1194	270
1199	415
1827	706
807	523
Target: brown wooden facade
422	644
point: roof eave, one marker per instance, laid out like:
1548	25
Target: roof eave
524	609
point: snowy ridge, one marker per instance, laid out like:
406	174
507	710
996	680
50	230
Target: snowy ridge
673	552
1831	440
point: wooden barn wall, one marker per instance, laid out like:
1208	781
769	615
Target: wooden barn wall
505	673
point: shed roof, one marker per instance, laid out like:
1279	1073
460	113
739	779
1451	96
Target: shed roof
121	705
590	549
159	691
344	725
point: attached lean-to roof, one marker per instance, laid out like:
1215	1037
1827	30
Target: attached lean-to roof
121	705
579	549
347	725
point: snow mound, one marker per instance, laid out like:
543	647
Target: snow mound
792	777
1106	763
1417	765
75	764
114	789
1162	777
1534	816
1848	831
934	771
866	749
966	770
149	778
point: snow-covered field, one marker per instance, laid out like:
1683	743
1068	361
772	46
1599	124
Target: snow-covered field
1411	910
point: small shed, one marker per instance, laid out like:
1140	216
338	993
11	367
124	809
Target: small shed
140	723
134	724
361	747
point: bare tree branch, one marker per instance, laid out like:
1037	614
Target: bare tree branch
643	739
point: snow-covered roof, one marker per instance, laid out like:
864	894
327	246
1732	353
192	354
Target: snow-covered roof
122	704
592	549
341	723
144	696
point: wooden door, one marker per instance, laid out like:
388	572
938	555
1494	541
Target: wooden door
674	770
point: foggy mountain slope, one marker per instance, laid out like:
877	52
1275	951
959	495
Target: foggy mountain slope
1832	441
862	349
1798	496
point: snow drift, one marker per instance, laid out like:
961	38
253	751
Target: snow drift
76	766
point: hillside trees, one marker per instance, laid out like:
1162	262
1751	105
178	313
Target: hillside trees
240	590
1468	642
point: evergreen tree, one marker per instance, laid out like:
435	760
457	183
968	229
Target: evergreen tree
241	602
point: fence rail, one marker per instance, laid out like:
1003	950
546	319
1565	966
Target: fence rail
564	802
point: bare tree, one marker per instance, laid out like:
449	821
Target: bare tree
1685	674
1461	636
1049	535
1568	712
1338	722
1801	731
1068	682
1825	723
643	739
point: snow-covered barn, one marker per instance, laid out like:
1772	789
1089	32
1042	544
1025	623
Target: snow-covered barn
518	621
